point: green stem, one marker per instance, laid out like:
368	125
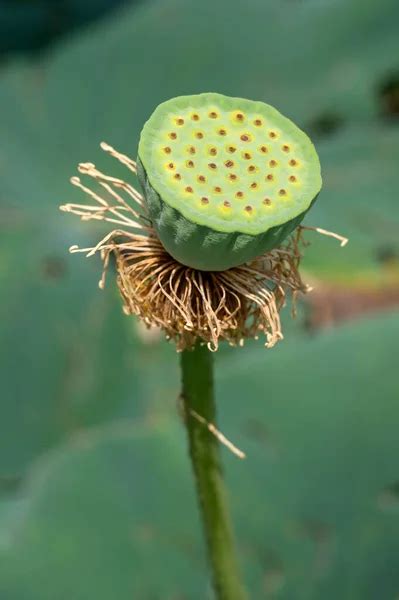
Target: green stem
198	400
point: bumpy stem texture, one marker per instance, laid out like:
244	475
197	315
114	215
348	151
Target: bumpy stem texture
198	399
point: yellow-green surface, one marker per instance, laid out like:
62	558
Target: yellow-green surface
229	163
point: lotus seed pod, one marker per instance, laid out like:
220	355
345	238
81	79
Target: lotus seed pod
225	179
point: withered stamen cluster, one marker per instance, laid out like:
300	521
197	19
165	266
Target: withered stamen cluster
187	304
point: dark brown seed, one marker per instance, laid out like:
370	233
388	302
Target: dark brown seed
244	137
201	178
213	151
189	189
292	178
286	148
272	134
257	122
199	135
269	177
195	117
254	185
232	149
217	189
267	201
222	132
212	166
248	208
213	115
239	117
282	192
190	164
232	176
263	149
180	121
167	150
293	162
272	163
204	200
191	150
229	163
246	155
173	135
171	166
177	176
227	204
251	168
239	195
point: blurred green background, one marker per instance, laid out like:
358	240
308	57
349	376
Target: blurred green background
96	497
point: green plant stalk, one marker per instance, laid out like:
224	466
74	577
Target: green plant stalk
198	399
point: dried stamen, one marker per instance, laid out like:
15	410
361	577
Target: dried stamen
187	304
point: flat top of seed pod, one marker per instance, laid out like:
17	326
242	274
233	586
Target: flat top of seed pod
228	163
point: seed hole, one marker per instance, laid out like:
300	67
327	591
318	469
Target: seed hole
251	168
212	166
191	149
227	204
189	189
245	137
285	148
204	200
272	135
232	177
239	117
248	208
199	135
167	150
171	166
222	132
267	201
270	177
213	115
231	149
240	195
177	176
293	162
213	151
180	121
263	149
195	117
189	164
254	185
257	122
172	135
229	163
247	155
201	178
282	192
272	163
292	178
217	189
